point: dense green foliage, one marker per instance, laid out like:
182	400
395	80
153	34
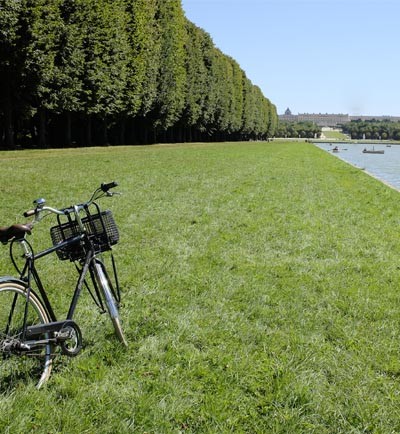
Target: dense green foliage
89	72
303	130
260	293
374	130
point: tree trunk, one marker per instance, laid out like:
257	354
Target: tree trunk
68	129
8	127
121	135
104	133
9	133
8	121
42	128
88	131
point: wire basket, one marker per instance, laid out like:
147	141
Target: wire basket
100	227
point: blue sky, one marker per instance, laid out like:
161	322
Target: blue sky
314	56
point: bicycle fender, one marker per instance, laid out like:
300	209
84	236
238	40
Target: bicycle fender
6	279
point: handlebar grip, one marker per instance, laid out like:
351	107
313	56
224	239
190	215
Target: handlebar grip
29	213
106	187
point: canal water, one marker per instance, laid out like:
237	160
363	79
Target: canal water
385	167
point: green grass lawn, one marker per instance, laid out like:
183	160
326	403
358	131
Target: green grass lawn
334	135
260	286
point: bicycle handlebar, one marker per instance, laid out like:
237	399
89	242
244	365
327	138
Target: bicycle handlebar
109	186
101	191
29	213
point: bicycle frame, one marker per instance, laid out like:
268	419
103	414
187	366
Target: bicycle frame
30	272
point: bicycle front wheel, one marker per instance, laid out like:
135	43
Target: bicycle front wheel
18	363
104	283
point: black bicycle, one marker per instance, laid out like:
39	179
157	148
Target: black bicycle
30	333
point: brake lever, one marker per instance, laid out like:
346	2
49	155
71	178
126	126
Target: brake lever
113	193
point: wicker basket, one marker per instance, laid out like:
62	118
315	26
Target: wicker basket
100	227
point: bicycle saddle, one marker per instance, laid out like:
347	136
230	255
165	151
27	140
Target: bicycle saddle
15	231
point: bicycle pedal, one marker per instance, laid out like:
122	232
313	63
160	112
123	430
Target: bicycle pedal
63	335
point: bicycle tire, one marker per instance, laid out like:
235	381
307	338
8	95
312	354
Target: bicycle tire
104	283
33	365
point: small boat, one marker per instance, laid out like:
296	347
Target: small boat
372	151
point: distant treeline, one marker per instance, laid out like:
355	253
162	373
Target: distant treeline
96	72
379	130
304	129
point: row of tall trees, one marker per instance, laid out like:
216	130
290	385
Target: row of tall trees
380	130
84	72
305	129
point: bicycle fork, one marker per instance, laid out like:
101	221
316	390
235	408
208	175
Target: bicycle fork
104	285
107	291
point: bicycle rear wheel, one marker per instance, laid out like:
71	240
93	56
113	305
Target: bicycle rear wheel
104	283
18	364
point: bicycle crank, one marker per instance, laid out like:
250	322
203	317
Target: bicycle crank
65	333
70	338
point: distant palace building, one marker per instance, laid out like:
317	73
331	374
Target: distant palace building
331	120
